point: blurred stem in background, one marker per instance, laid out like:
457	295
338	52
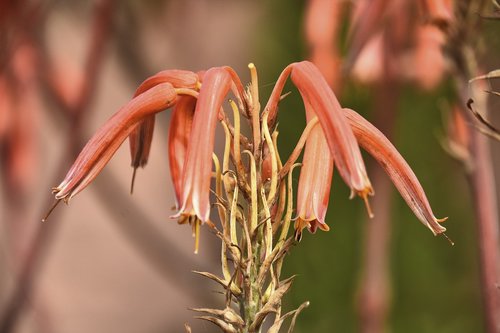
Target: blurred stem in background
466	53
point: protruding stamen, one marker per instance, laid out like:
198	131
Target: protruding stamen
197	223
132	181
364	195
51	210
448	239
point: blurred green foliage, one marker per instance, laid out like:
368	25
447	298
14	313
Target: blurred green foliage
434	285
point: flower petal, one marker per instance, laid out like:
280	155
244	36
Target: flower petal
102	146
343	145
198	164
315	179
375	143
178	139
141	137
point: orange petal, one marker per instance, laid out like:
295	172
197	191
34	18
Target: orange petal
315	179
141	137
343	146
375	143
338	133
179	132
198	162
102	146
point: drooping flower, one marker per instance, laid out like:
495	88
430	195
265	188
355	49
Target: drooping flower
191	144
343	146
315	181
141	137
102	146
179	132
403	177
198	161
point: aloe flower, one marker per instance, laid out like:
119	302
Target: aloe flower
254	195
377	145
142	135
341	141
198	164
198	100
179	132
315	181
102	146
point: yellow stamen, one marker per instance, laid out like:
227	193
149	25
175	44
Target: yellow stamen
51	210
448	238
197	223
364	196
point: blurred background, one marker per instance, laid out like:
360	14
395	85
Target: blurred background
116	262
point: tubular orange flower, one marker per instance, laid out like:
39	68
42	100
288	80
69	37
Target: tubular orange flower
315	181
377	145
198	164
179	132
110	136
343	146
141	137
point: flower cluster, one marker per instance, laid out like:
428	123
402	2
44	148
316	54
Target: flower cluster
197	100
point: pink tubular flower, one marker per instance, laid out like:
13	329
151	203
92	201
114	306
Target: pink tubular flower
315	181
179	132
198	108
198	164
141	137
102	146
341	141
377	145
